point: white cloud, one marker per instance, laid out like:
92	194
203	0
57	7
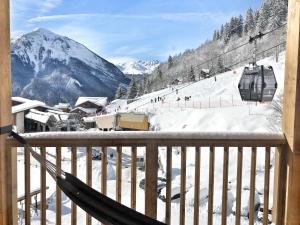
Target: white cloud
20	8
48	5
184	16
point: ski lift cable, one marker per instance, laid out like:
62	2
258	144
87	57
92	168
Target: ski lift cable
260	35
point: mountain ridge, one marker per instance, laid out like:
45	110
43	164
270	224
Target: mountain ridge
43	60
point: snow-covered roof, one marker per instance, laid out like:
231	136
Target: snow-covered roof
90	119
59	115
20	99
30	104
100	101
62	106
86	110
42	117
206	70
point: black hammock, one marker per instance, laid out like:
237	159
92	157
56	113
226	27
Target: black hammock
91	201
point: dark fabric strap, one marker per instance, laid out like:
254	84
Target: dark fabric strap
5	129
19	138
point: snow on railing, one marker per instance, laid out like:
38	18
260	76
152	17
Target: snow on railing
157	135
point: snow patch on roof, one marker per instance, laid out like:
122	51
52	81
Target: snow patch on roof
27	105
100	101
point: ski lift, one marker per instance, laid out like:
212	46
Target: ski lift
258	84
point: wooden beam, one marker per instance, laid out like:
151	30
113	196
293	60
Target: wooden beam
291	117
5	114
151	181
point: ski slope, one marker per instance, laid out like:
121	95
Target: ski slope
214	105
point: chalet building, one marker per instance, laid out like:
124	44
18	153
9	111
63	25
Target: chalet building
90	106
36	116
20	107
90	122
205	73
91	102
37	121
84	112
65	107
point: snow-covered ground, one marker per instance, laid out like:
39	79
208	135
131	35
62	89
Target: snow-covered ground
214	106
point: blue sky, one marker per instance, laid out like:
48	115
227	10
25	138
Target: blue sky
121	29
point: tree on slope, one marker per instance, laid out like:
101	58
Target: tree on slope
264	17
192	77
227	33
170	61
132	90
279	12
249	22
121	92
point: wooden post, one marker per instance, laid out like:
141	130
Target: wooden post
291	116
7	206
151	181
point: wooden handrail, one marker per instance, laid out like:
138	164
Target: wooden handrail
83	139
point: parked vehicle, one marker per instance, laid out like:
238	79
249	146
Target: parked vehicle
123	121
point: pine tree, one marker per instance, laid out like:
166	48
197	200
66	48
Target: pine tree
220	65
240	26
222	31
264	17
192	77
170	61
227	33
279	10
215	36
256	18
121	92
140	90
249	22
132	90
159	73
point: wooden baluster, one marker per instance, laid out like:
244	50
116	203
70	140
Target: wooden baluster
168	185
104	170
266	186
225	186
133	177
151	180
197	185
182	186
27	187
239	186
280	182
58	191
12	183
43	188
119	174
74	173
252	186
211	185
89	164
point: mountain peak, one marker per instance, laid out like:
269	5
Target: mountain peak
43	60
138	67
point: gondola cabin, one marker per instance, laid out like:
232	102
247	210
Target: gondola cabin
258	84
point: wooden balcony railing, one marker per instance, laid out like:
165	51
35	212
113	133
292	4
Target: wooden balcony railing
225	144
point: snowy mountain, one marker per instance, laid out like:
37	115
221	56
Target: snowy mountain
54	68
138	67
